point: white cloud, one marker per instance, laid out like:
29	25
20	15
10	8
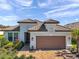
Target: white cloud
9	18
5	5
62	11
64	7
76	19
63	14
44	4
24	2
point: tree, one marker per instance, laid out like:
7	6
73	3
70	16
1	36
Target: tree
75	35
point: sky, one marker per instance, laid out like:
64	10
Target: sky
65	11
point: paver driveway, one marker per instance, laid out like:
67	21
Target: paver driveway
41	54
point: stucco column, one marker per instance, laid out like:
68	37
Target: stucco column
13	36
68	42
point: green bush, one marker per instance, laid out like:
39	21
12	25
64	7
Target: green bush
3	42
73	41
6	54
74	46
8	49
19	45
1	36
30	57
8	45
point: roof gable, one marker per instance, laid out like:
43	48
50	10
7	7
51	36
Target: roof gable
51	21
27	21
42	27
38	27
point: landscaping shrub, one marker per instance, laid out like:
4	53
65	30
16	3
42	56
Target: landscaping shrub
22	57
73	41
8	50
9	45
18	45
6	54
30	57
3	42
74	46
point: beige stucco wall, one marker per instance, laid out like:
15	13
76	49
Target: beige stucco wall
34	34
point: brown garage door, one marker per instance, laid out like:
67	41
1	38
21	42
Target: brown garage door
50	42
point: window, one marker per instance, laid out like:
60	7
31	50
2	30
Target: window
15	36
10	37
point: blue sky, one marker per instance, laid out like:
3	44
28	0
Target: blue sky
65	11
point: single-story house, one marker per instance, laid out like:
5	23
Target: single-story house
40	35
2	27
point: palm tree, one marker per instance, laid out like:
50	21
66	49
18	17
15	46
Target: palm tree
75	35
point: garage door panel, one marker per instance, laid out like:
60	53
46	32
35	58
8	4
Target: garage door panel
50	42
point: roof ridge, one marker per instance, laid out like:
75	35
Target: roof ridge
51	21
64	26
71	23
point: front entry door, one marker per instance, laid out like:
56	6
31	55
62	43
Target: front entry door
27	37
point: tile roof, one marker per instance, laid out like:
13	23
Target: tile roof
38	27
27	21
51	21
10	28
61	28
42	27
36	21
74	25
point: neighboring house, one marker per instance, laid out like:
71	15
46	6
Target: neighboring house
40	35
2	27
74	25
1	32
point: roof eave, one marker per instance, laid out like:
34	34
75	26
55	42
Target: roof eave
63	30
26	22
9	30
51	22
35	31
